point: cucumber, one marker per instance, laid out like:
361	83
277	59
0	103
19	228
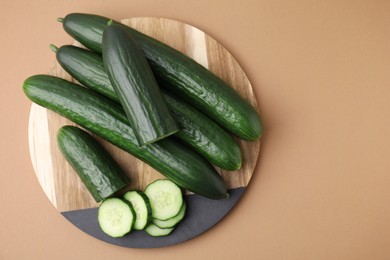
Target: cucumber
204	135
107	120
86	67
94	165
183	75
142	208
172	222
136	87
116	217
155	231
165	198
197	130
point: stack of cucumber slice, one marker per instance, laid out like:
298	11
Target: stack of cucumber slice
157	210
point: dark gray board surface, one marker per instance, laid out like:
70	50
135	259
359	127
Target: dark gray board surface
202	214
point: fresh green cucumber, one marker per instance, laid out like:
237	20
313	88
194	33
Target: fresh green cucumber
155	231
142	208
165	197
107	120
197	130
116	217
183	75
204	135
136	87
86	67
172	222
99	172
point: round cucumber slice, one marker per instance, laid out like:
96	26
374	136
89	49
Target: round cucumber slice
142	208
155	231
172	222
165	198
116	217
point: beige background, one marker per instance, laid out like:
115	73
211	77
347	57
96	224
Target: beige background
320	70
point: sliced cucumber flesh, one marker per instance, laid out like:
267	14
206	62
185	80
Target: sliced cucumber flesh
172	222
116	217
141	207
165	199
155	231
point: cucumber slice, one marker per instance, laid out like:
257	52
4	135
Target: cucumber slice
155	231
172	222
165	198
116	217
142	208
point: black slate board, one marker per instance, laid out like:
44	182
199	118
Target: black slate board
201	215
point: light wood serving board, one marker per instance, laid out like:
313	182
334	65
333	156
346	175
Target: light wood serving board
62	185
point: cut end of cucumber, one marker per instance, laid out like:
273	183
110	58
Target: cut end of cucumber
158	138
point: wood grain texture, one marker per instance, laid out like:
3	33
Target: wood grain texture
62	185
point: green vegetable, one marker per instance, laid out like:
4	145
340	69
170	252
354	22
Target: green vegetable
94	165
183	76
107	120
136	87
142	208
172	222
165	198
197	130
155	231
116	217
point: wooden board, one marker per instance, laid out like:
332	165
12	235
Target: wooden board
62	185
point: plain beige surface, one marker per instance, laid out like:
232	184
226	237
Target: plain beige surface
320	70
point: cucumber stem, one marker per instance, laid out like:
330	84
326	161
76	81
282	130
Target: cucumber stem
53	48
60	19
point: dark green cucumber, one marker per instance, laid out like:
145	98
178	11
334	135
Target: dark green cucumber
197	130
77	62
107	120
136	87
204	135
183	75
99	172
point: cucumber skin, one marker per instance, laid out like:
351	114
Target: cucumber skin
204	135
197	130
183	75
94	165
75	61
136	87
107	120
